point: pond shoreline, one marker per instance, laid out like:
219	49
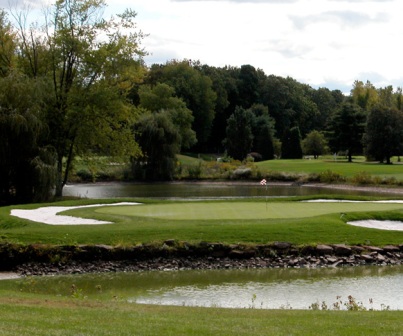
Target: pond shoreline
173	255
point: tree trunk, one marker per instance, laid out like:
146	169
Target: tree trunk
59	177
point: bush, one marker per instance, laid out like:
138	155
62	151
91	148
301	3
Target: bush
194	172
362	178
329	176
85	175
241	173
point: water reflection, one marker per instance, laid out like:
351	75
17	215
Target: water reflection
264	288
199	190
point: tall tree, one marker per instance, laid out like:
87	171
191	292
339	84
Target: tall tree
239	134
160	142
364	95
346	129
248	82
91	64
263	131
291	144
7	44
27	168
161	99
383	136
194	88
314	144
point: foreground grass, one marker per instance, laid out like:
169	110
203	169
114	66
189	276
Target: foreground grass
38	315
218	221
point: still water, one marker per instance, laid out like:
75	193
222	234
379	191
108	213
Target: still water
374	287
199	190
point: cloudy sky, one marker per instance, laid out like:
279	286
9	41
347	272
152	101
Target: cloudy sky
323	43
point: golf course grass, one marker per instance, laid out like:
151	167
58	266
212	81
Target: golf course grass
231	221
222	210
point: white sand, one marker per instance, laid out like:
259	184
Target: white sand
379	224
371	223
49	215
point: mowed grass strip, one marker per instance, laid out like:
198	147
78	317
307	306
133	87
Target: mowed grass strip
243	210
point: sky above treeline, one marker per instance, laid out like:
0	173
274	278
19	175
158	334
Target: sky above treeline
323	43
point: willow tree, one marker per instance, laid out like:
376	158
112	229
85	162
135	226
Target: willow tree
91	64
27	167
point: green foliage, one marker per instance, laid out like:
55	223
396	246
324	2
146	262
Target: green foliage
239	134
291	144
329	176
346	129
27	167
89	78
314	144
160	99
160	142
384	133
195	171
194	88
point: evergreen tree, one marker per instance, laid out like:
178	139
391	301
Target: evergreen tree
291	144
239	134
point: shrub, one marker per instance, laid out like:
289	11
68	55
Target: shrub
329	176
241	173
194	172
362	178
85	175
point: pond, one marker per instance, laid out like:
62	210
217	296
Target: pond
201	190
372	287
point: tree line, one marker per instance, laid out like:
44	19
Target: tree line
77	84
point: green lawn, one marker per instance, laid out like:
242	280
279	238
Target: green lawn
343	168
222	210
236	221
38	315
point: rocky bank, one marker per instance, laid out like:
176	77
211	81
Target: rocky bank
174	255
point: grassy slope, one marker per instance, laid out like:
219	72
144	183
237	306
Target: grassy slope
48	316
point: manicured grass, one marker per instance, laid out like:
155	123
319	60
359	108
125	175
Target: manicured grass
37	315
236	221
343	168
224	210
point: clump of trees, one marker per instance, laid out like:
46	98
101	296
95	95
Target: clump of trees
77	84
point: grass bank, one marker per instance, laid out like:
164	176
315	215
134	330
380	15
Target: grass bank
22	314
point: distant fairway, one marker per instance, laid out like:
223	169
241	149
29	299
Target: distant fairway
243	210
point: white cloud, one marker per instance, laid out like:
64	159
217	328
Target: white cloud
319	42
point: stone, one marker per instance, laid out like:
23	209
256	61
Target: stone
324	249
341	250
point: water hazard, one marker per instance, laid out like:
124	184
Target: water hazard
201	190
373	287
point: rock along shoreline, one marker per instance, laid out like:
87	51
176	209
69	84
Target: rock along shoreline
28	260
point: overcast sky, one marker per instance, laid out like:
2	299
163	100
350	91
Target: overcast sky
323	43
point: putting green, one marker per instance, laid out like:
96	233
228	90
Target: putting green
243	210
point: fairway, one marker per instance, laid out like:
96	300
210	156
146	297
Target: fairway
243	210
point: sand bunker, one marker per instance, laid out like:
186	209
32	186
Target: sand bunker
49	215
371	223
379	224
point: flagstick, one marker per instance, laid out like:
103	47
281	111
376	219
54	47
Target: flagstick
264	183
